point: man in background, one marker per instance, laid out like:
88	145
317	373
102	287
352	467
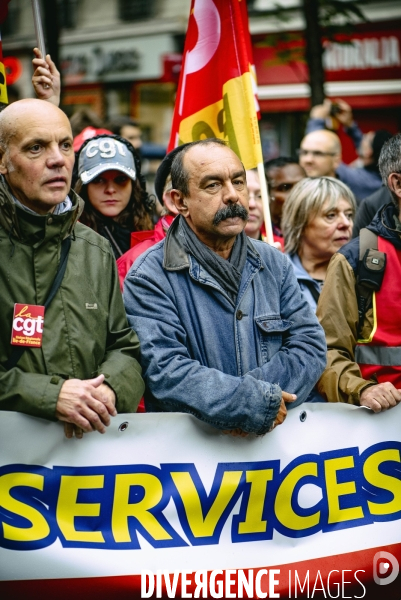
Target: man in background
363	180
282	174
128	129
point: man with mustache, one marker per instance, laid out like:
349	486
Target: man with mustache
66	351
225	333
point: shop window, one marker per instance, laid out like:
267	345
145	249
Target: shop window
67	13
130	10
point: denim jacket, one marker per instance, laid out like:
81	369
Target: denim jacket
201	355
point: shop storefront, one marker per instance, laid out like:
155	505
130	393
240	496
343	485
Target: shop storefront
363	68
123	76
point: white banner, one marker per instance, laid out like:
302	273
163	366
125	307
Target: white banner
312	509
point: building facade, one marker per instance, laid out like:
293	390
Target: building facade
118	57
362	66
124	57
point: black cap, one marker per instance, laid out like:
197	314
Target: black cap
164	170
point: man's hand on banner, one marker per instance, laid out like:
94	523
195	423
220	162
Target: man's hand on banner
86	405
235	432
280	417
46	78
282	411
380	397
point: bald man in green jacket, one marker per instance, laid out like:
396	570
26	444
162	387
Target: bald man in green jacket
78	362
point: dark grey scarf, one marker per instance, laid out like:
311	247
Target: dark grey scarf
227	273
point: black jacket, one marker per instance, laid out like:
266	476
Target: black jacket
369	207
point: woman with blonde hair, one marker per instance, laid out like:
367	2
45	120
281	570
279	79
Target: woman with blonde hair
317	221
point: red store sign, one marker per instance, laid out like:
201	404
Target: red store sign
370	54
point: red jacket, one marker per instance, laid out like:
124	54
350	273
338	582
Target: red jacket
141	241
277	235
379	357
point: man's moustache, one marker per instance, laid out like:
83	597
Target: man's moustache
230	211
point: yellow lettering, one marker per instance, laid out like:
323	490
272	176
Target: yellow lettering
122	509
205	526
335	490
385	482
253	519
23	312
199	125
68	508
282	505
39	528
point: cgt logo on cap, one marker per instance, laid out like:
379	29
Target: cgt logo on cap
382	574
105	154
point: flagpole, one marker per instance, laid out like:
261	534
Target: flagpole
38	28
265	203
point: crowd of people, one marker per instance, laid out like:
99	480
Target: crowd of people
213	321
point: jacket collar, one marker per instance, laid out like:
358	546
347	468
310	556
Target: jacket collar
33	229
383	224
176	258
300	271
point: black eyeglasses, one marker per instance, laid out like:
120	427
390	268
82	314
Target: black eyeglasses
314	153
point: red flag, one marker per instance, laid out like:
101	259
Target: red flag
245	21
215	95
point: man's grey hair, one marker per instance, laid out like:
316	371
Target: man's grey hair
306	201
179	175
390	161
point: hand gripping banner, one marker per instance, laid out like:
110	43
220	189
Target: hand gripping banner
163	505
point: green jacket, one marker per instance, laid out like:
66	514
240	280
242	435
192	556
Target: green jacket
85	327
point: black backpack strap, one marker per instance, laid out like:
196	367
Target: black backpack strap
65	249
311	287
18	351
371	267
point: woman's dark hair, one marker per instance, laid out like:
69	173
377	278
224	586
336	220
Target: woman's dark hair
137	216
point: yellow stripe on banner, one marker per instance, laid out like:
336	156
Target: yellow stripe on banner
3	87
233	119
